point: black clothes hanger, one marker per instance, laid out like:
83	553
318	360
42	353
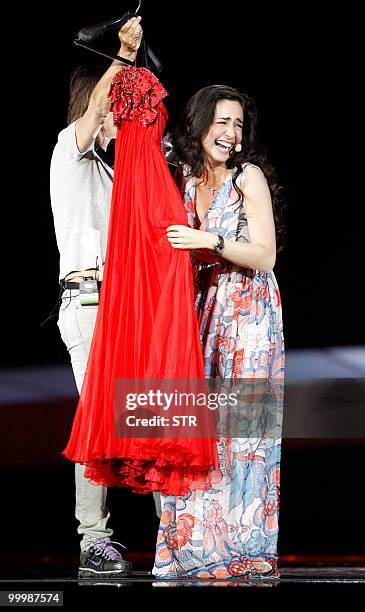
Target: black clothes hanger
91	33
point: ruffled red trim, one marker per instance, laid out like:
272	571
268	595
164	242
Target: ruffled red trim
145	476
135	94
170	470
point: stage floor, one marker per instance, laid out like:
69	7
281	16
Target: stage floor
307	587
64	577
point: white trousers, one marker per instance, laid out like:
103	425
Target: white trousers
76	324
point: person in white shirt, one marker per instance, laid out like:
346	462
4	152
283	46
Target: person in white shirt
81	186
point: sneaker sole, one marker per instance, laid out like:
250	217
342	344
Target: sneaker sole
88	572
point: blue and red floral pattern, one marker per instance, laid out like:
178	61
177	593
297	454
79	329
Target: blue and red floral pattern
230	530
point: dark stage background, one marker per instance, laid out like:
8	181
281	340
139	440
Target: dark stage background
291	62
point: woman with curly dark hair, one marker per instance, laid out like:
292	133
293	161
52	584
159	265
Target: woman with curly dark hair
232	200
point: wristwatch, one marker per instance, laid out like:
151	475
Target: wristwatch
220	246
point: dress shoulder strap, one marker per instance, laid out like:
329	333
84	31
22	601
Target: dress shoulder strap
247	164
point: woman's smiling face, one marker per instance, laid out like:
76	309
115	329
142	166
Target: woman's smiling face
224	133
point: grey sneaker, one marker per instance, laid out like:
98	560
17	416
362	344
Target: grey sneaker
102	559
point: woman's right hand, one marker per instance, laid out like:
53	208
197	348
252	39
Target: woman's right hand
130	36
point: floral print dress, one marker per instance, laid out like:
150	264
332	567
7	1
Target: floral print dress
230	530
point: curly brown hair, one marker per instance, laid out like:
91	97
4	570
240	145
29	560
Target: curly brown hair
195	121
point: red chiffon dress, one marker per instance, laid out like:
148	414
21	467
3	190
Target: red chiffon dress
146	324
